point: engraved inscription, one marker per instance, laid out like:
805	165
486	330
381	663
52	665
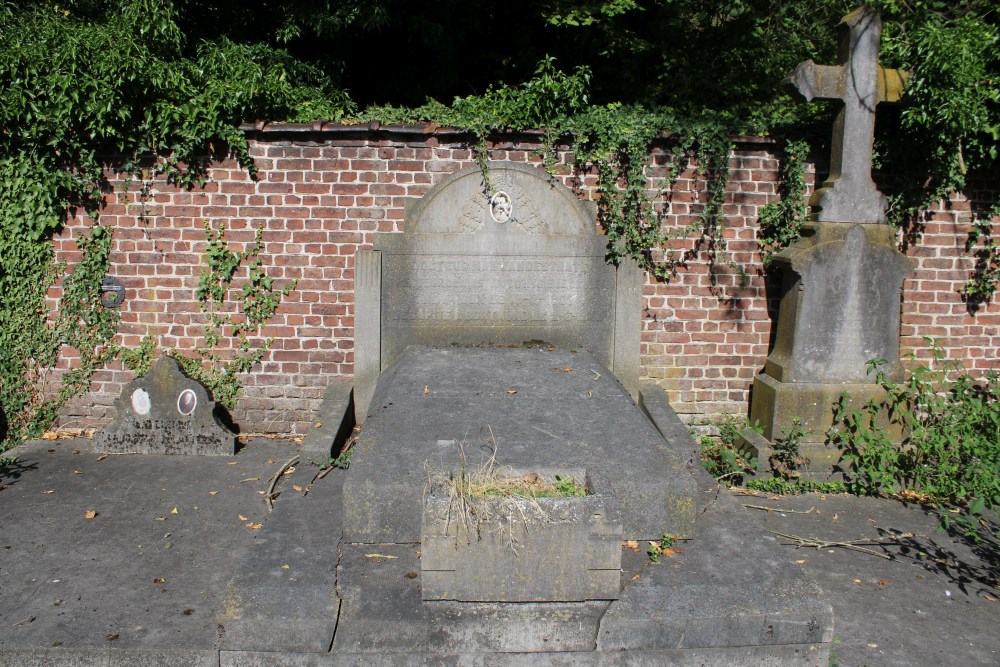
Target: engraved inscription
487	290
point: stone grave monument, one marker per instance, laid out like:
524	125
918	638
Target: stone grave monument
165	412
495	346
840	297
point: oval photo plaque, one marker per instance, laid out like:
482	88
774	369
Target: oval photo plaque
501	207
187	401
140	402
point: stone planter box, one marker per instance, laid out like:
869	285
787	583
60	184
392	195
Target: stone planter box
521	549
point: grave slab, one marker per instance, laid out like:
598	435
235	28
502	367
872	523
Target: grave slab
514	549
529	408
165	412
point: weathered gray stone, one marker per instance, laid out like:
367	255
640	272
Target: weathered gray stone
535	408
859	83
511	549
839	309
282	596
165	412
333	422
367	328
467	271
839	305
382	613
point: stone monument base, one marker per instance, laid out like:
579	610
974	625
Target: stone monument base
776	404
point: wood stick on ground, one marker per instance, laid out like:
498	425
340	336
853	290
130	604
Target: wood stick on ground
823	544
270	495
778	509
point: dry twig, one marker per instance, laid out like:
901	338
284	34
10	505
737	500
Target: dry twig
818	544
270	495
778	509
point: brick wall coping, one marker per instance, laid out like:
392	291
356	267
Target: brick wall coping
305	131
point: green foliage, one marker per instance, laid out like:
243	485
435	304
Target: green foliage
951	448
89	79
613	139
656	549
567	487
720	455
31	343
343	460
231	344
781	221
949	127
786	456
781	486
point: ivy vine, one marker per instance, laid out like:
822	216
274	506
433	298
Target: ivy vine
781	221
232	342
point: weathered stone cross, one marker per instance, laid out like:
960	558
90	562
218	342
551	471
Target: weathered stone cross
859	83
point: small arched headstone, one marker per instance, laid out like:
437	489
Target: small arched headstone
165	412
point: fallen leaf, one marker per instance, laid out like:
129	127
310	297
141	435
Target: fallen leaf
188	612
296	487
989	597
102	457
318	425
255	526
213	493
634	578
243	518
270	461
49	491
250	479
289	470
512	391
567	370
632	544
284	567
159	580
77	472
836	517
883	582
800	562
427	389
381	557
161	518
857	581
90	514
232	463
411	575
873	646
174	511
111	636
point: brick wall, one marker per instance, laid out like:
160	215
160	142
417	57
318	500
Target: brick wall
322	193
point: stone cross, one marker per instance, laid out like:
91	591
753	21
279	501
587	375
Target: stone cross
859	83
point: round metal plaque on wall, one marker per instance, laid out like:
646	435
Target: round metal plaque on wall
187	401
501	207
140	402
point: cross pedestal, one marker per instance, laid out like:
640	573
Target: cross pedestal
843	278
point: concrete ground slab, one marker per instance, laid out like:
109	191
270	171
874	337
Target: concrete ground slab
283	594
148	569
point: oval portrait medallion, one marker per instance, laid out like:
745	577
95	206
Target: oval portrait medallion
187	401
501	207
140	402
